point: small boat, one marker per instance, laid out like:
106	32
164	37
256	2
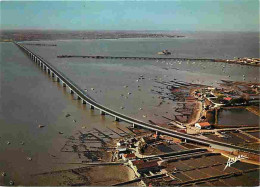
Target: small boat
29	158
11	183
164	52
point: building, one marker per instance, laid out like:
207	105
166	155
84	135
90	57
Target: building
202	125
141	167
227	98
128	156
122	150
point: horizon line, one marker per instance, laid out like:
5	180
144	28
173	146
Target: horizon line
124	30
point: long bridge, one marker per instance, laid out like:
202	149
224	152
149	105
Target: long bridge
81	95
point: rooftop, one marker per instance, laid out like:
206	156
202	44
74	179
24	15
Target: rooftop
204	124
147	165
131	155
227	98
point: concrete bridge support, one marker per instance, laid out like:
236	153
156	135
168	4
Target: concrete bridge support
71	91
117	119
84	102
102	112
92	107
78	97
64	84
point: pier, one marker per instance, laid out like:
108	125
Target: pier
133	58
85	99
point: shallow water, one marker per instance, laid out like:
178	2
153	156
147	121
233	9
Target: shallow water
30	98
237	116
109	76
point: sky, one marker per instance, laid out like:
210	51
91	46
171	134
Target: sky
186	15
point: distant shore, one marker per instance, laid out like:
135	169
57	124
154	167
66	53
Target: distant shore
23	35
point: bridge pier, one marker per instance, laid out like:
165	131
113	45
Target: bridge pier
71	91
102	112
92	107
78	97
64	84
84	102
117	119
58	79
52	74
133	125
